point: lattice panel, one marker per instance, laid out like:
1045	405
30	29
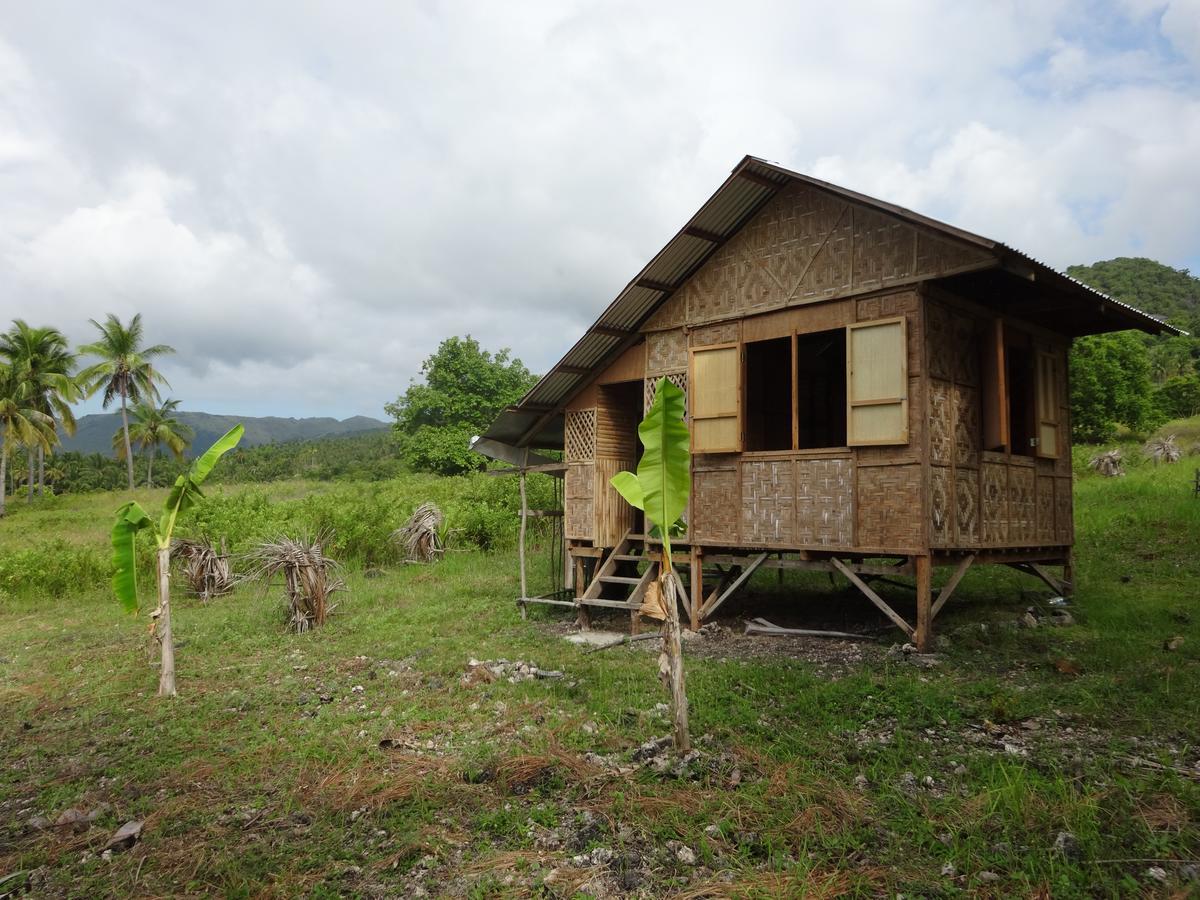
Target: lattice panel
965	402
578	501
994	477
679	379
824	503
1064	523
716	501
941	423
1045	510
1022	505
666	351
966	507
941	505
579	427
889	507
768	502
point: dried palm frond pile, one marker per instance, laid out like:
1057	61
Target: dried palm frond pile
421	536
1110	464
1163	449
307	575
208	572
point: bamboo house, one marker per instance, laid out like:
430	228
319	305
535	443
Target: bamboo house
869	392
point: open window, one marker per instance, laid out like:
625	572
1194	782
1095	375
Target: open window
1021	386
877	383
715	388
821	390
769	394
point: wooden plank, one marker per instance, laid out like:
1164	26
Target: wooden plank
1054	583
521	544
610	331
713	605
950	585
994	394
516	456
924	629
711	236
697	588
652	285
872	596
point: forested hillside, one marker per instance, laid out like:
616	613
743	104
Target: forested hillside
95	432
1148	285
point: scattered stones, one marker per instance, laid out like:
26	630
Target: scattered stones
1157	873
861	782
125	836
513	672
1029	620
712	832
949	870
683	852
988	877
1173	644
1067	844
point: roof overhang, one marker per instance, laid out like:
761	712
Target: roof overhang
537	420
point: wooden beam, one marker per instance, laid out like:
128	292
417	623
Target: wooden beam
873	597
521	457
697	587
924	630
521	544
950	585
572	370
714	604
761	180
652	285
711	236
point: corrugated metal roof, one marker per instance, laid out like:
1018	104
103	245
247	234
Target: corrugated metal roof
537	419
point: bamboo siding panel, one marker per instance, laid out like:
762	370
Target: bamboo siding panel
1064	523
1022	505
941	423
941	506
804	246
579	427
824	503
965	407
725	333
994	476
666	351
578	506
889	505
716	501
616	431
768	502
966	507
1045	510
614	516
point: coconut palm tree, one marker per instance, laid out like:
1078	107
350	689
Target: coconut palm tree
20	422
42	359
126	370
154	426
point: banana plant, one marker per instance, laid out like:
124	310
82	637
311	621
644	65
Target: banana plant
660	489
131	518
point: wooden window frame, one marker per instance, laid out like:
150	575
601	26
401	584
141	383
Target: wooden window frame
902	399
693	392
1047	386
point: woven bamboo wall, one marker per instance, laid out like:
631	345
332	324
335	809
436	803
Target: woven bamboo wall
666	351
716	503
805	246
579	494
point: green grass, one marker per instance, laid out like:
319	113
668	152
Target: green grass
251	785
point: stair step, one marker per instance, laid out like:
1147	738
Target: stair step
619	579
630	557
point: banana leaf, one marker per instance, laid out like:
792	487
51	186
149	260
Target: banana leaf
130	519
663	480
186	490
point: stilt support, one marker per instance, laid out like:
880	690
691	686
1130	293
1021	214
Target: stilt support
924	631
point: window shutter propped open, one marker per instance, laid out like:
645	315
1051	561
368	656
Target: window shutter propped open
877	383
1047	405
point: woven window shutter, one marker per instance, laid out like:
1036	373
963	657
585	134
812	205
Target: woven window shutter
1047	405
877	383
716	398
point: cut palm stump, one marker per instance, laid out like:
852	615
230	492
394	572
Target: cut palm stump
307	574
421	535
207	571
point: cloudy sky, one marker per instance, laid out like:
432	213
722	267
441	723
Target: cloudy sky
304	198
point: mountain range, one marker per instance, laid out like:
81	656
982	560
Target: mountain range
94	433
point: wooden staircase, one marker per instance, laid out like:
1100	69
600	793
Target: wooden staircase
630	553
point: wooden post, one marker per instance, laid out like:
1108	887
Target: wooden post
924	632
1069	567
670	662
584	618
697	585
166	676
521	545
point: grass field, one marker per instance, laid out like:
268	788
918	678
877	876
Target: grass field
1056	761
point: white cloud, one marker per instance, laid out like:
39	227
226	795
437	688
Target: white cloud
305	200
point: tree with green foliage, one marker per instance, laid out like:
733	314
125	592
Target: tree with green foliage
42	359
21	422
1179	397
153	427
464	388
1149	285
131	518
1110	387
125	370
660	489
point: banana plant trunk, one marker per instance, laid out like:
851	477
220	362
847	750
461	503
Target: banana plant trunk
125	430
30	473
671	662
166	678
41	471
3	475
